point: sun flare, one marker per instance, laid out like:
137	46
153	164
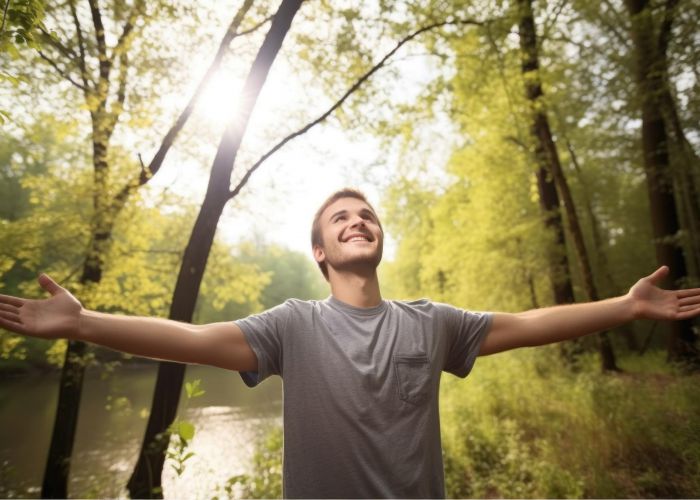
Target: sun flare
217	102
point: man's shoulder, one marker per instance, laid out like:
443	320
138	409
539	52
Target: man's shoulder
300	306
424	306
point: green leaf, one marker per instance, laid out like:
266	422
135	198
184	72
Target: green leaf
193	389
185	430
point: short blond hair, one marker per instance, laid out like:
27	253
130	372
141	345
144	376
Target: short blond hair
316	238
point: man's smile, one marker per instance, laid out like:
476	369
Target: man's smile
358	237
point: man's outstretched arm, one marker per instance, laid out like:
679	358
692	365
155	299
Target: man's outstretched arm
645	300
62	316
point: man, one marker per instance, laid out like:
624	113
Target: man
361	374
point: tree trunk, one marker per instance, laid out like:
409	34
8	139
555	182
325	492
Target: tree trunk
145	481
687	174
57	470
55	484
549	163
649	73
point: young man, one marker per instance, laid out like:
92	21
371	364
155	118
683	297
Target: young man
361	374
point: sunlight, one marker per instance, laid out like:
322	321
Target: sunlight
217	101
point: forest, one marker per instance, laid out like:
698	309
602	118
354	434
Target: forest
165	158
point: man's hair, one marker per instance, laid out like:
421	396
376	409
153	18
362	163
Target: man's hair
316	238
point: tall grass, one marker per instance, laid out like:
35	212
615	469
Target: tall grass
524	426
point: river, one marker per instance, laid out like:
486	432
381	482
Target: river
229	420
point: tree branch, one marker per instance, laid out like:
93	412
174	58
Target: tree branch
81	44
100	37
345	96
666	25
61	72
4	16
117	108
54	42
148	172
254	28
126	30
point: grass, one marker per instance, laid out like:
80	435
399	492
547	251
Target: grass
524	426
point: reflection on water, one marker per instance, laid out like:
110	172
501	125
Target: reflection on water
223	443
229	418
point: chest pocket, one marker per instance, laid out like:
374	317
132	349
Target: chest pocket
412	377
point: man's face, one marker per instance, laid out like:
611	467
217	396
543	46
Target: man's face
352	238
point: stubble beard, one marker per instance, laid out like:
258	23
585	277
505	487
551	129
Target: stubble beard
365	261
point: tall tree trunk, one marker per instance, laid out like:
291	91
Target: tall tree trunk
649	58
56	472
550	165
687	179
145	481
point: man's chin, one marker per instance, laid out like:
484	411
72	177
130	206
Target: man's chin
359	264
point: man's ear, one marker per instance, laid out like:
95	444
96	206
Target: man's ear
319	254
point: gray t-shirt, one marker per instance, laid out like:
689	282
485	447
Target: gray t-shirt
361	391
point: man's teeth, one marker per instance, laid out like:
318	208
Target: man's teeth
358	238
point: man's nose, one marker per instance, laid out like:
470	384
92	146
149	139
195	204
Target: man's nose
357	221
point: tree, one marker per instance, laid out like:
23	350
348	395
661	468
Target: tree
650	40
145	481
551	180
101	73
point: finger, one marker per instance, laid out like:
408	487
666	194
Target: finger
694	299
657	276
688	292
9	299
688	314
9	316
49	285
12	326
9	308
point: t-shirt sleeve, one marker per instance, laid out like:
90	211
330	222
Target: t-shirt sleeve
264	333
465	331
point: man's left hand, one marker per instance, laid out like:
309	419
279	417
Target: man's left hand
652	302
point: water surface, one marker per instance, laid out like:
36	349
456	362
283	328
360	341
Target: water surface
229	419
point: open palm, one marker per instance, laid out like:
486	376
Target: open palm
652	302
57	316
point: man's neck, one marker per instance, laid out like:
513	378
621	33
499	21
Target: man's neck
356	289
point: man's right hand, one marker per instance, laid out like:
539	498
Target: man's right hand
62	316
55	317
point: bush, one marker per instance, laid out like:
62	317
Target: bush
524	426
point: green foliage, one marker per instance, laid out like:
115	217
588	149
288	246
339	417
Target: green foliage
193	389
182	432
177	453
20	18
525	426
265	479
292	274
45	216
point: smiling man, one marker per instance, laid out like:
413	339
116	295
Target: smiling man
361	374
